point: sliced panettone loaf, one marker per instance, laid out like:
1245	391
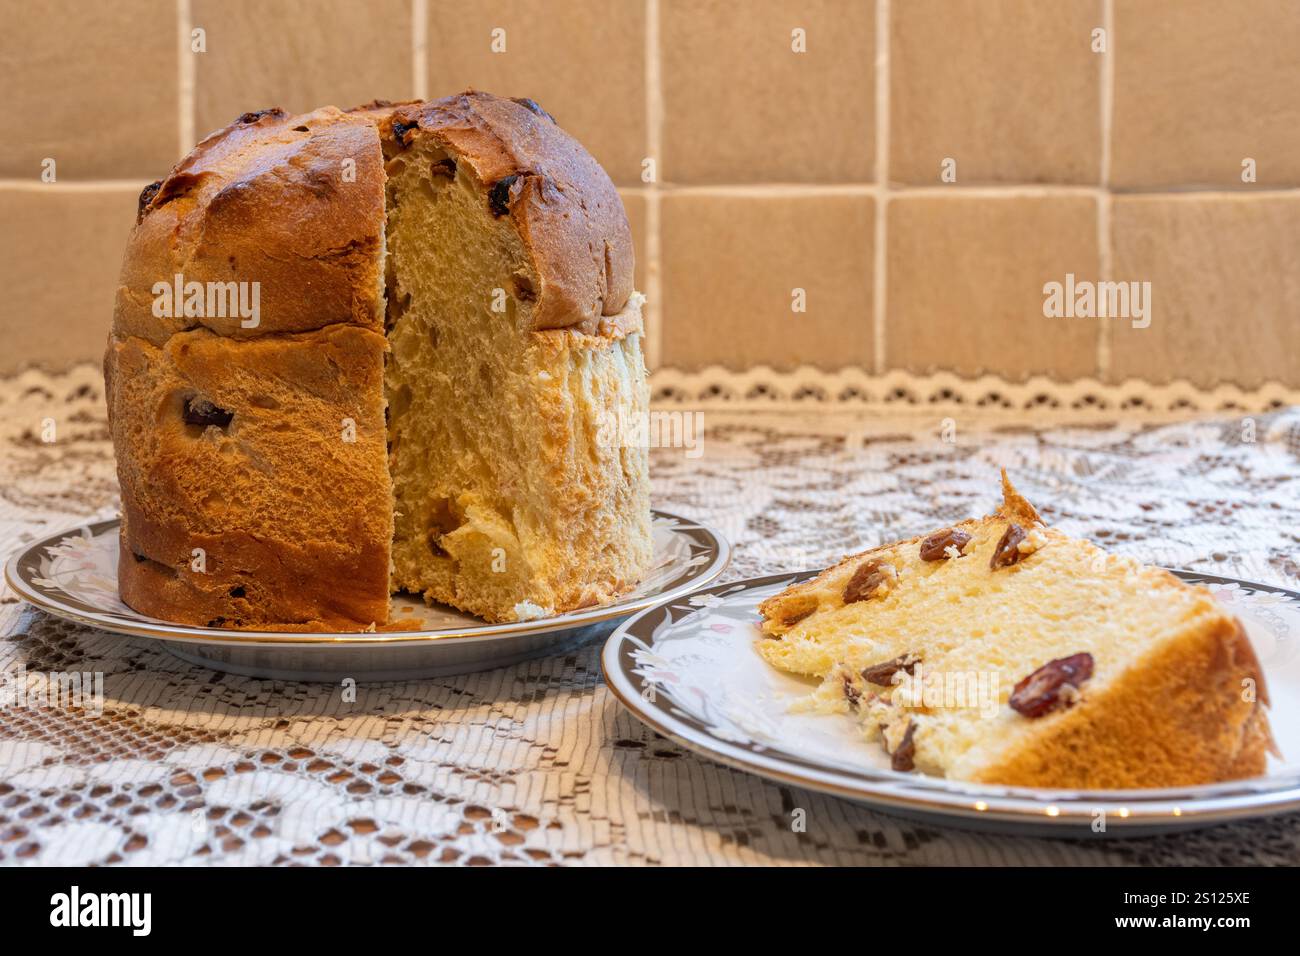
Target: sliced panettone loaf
1003	651
370	351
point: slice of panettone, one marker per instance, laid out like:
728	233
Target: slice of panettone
999	650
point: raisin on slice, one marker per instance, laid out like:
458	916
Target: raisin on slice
445	168
795	611
903	759
1040	692
200	411
883	674
1007	552
499	196
794	617
851	693
866	579
935	547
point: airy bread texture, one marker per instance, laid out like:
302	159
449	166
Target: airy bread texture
1139	680
446	318
511	506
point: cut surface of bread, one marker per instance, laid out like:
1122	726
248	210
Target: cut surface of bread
446	318
510	506
1003	651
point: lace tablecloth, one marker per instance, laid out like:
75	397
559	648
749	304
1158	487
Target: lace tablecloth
538	763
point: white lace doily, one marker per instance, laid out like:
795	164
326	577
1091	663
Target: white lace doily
764	389
537	763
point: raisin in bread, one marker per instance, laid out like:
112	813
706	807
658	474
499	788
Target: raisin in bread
446	320
1002	651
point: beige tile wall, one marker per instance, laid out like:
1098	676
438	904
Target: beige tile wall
298	55
965	280
770	153
1009	89
754	271
583	60
738	106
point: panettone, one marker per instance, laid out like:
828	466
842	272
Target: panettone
1003	651
361	352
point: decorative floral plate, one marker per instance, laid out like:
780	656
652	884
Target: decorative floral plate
688	669
74	575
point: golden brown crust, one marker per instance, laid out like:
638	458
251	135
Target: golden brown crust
250	494
1179	718
295	204
381	109
567	212
1015	507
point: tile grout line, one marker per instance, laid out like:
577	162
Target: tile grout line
990	191
1107	90
88	185
419	49
1105	251
796	190
995	191
770	190
185	77
1104	266
880	250
654	114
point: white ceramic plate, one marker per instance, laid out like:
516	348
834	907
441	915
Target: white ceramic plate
689	670
74	575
